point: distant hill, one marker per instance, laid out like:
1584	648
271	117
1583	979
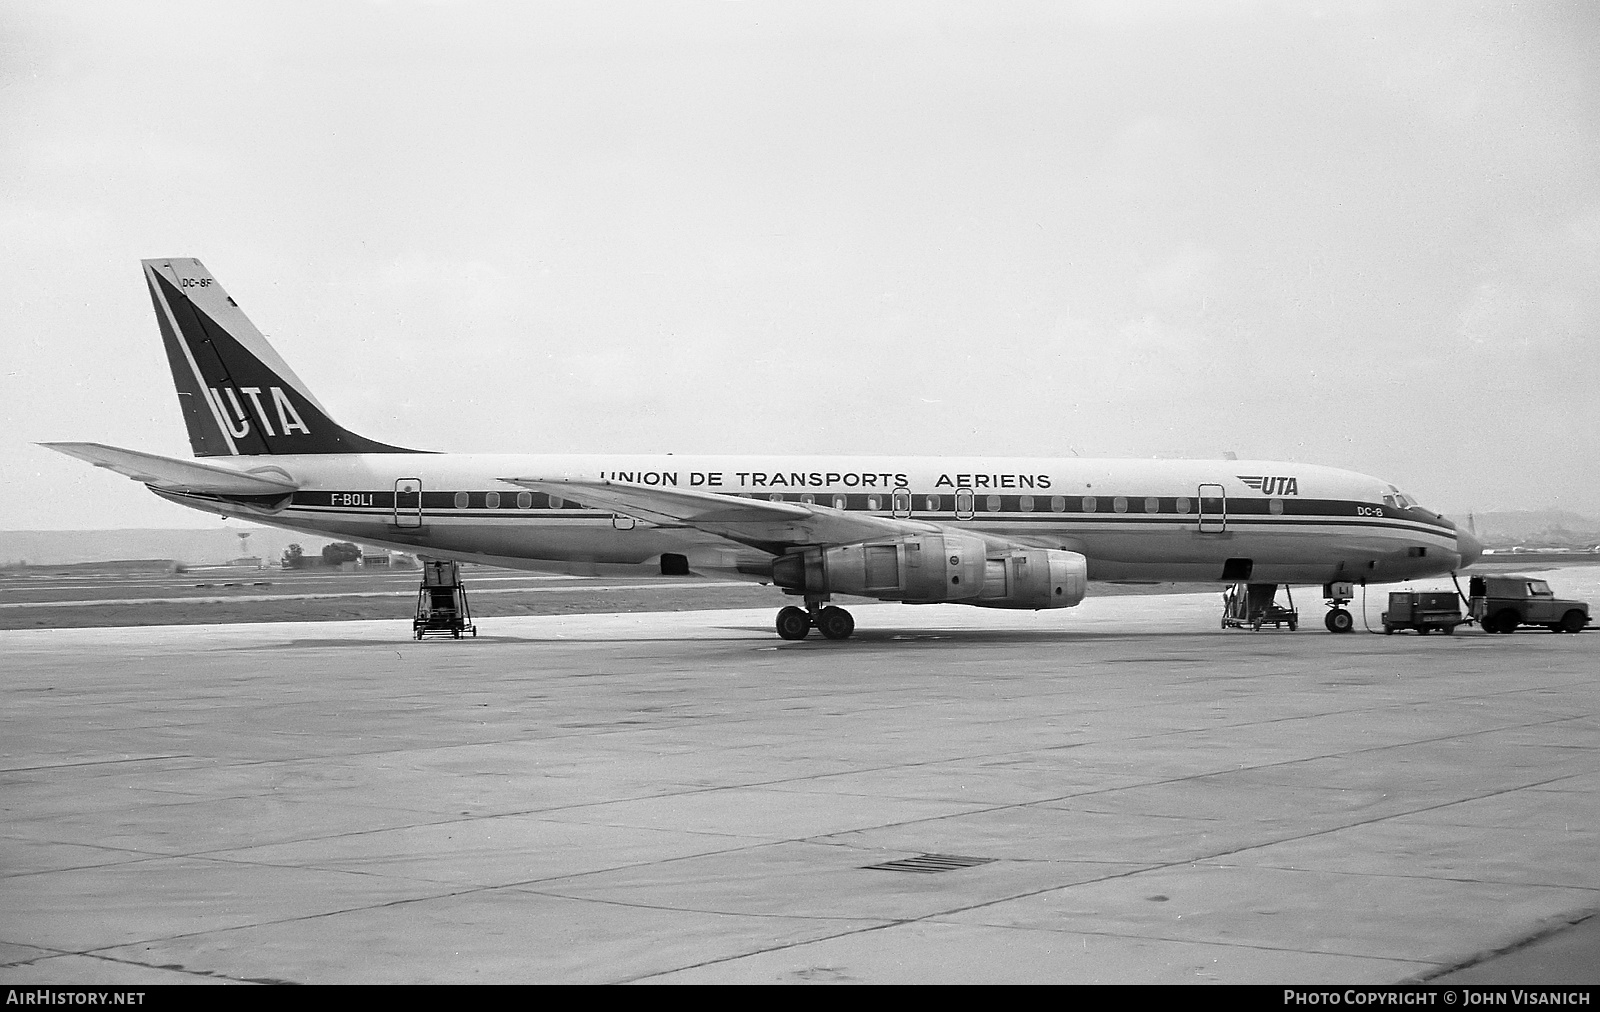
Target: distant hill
193	547
1534	528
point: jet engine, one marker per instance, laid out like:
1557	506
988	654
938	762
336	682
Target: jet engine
920	568
1033	578
930	568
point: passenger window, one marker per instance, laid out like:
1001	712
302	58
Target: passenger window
1120	504
1182	504
1058	504
1090	504
524	500
1275	506
492	500
1152	505
776	497
838	502
1025	504
461	500
872	502
991	503
556	502
933	504
807	498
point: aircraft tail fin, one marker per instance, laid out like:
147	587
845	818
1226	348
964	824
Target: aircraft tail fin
239	398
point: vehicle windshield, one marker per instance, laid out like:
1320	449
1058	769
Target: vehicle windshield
1538	588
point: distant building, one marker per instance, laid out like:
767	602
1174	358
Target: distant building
384	557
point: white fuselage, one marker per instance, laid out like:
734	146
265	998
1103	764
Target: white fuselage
1133	520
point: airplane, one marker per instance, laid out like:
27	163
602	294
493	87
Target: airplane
1011	532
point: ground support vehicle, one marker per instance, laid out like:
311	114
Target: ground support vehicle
1502	603
1423	611
442	602
1253	605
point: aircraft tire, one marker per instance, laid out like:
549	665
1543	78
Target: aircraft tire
835	623
793	623
1574	621
1339	621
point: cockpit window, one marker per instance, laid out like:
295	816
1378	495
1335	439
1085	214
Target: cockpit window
1398	499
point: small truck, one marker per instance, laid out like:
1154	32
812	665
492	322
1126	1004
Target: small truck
1501	603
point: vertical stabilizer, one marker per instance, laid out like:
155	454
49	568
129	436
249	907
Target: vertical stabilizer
238	397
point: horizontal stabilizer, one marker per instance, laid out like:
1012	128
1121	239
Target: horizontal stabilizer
173	475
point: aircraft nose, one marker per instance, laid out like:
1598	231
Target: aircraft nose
1469	547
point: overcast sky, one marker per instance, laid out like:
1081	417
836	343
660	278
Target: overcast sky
1363	235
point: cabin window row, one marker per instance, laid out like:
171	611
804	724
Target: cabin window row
905	503
1002	503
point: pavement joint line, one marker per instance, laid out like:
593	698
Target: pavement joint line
978	811
94	762
1556	925
697	910
1160	866
1193	941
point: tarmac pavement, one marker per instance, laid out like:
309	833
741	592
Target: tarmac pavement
682	797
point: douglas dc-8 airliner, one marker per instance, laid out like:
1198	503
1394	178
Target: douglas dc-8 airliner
1025	533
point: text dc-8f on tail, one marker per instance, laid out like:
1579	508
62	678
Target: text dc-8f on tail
992	532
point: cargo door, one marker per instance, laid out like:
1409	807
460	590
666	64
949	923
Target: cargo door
408	502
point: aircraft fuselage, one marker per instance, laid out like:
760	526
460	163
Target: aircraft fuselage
1135	520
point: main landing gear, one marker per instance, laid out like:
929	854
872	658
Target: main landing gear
796	623
1338	620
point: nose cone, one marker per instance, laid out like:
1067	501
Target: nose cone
1469	548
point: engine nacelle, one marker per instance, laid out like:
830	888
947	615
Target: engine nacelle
919	568
1034	578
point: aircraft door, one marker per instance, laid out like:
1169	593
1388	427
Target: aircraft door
408	502
1213	509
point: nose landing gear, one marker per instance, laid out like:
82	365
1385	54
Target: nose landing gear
833	622
1338	620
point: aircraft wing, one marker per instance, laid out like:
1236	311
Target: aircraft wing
174	475
760	523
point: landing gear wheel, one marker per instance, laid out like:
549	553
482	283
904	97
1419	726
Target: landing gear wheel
1574	621
793	623
835	623
1339	621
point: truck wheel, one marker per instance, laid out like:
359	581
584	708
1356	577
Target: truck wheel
1574	621
1506	621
